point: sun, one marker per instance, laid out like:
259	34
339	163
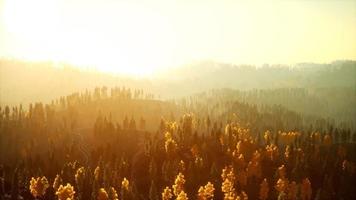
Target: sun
125	39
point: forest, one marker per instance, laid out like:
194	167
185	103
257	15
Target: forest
177	100
111	143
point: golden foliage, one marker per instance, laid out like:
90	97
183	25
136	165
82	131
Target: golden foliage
97	173
228	173
272	152
227	186
57	182
168	135
281	185
281	172
113	194
178	184
65	192
125	184
167	194
181	166
102	194
170	146
245	146
79	176
287	152
38	186
182	196
288	138
315	137
206	192
267	136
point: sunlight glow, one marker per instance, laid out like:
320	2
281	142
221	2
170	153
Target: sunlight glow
49	31
141	37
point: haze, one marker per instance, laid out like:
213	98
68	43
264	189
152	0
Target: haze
188	99
142	37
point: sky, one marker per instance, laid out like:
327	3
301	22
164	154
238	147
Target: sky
141	37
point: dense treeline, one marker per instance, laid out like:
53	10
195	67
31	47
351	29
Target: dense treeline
121	143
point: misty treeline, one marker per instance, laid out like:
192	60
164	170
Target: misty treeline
336	106
44	81
123	143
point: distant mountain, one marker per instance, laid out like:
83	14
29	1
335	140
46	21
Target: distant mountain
203	76
24	82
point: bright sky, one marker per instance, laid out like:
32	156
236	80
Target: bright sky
139	37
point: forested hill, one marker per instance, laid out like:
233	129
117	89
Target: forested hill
332	104
25	82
